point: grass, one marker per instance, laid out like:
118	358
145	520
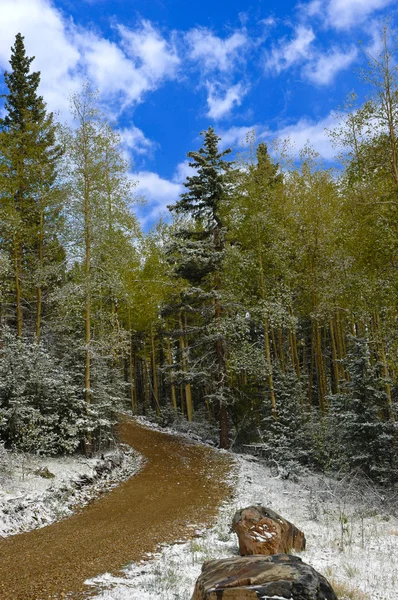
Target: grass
346	592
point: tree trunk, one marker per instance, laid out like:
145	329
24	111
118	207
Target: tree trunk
280	344
154	374
335	363
267	351
224	427
269	369
320	369
18	292
172	380
220	354
87	308
295	355
39	287
131	374
383	357
188	393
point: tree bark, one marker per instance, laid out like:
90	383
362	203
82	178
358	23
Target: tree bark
18	292
39	286
188	393
172	381
154	374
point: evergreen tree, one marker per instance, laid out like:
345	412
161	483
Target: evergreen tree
28	158
198	252
363	421
40	408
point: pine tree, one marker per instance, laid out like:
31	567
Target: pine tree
198	253
29	155
362	420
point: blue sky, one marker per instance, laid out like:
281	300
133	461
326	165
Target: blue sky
167	69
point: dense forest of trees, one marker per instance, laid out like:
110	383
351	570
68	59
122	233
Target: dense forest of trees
265	310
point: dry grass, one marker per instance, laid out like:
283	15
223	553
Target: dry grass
346	592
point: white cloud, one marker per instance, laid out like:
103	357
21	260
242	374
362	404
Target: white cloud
109	69
158	192
134	140
313	8
221	101
67	55
324	69
236	136
183	170
47	37
312	132
343	14
286	54
156	58
268	22
214	53
140	64
300	133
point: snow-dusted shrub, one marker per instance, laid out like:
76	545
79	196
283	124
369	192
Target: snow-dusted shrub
362	423
6	463
40	409
201	426
285	442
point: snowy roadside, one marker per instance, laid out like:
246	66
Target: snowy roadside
351	539
36	491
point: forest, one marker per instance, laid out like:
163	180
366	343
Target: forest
263	311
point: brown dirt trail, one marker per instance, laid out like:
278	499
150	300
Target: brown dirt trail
181	483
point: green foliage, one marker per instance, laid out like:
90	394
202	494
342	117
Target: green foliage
40	409
208	188
362	421
31	199
244	303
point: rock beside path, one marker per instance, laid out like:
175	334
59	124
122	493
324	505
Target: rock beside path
262	531
261	577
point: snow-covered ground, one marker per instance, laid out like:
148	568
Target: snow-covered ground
36	491
351	539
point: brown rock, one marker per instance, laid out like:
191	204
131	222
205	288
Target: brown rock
261	577
262	531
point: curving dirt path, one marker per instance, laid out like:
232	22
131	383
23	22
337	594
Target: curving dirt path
181	483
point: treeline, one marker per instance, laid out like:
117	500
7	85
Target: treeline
266	309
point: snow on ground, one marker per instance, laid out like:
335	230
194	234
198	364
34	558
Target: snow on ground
29	499
351	539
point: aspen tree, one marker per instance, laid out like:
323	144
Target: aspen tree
101	228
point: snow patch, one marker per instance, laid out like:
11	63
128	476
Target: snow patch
30	501
347	541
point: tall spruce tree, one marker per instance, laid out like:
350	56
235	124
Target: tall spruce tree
28	158
198	254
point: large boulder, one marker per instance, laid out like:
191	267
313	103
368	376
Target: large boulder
262	531
261	577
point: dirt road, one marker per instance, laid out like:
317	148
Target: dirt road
181	483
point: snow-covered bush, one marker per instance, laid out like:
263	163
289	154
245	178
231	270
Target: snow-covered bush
286	444
361	423
6	463
40	409
201	426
